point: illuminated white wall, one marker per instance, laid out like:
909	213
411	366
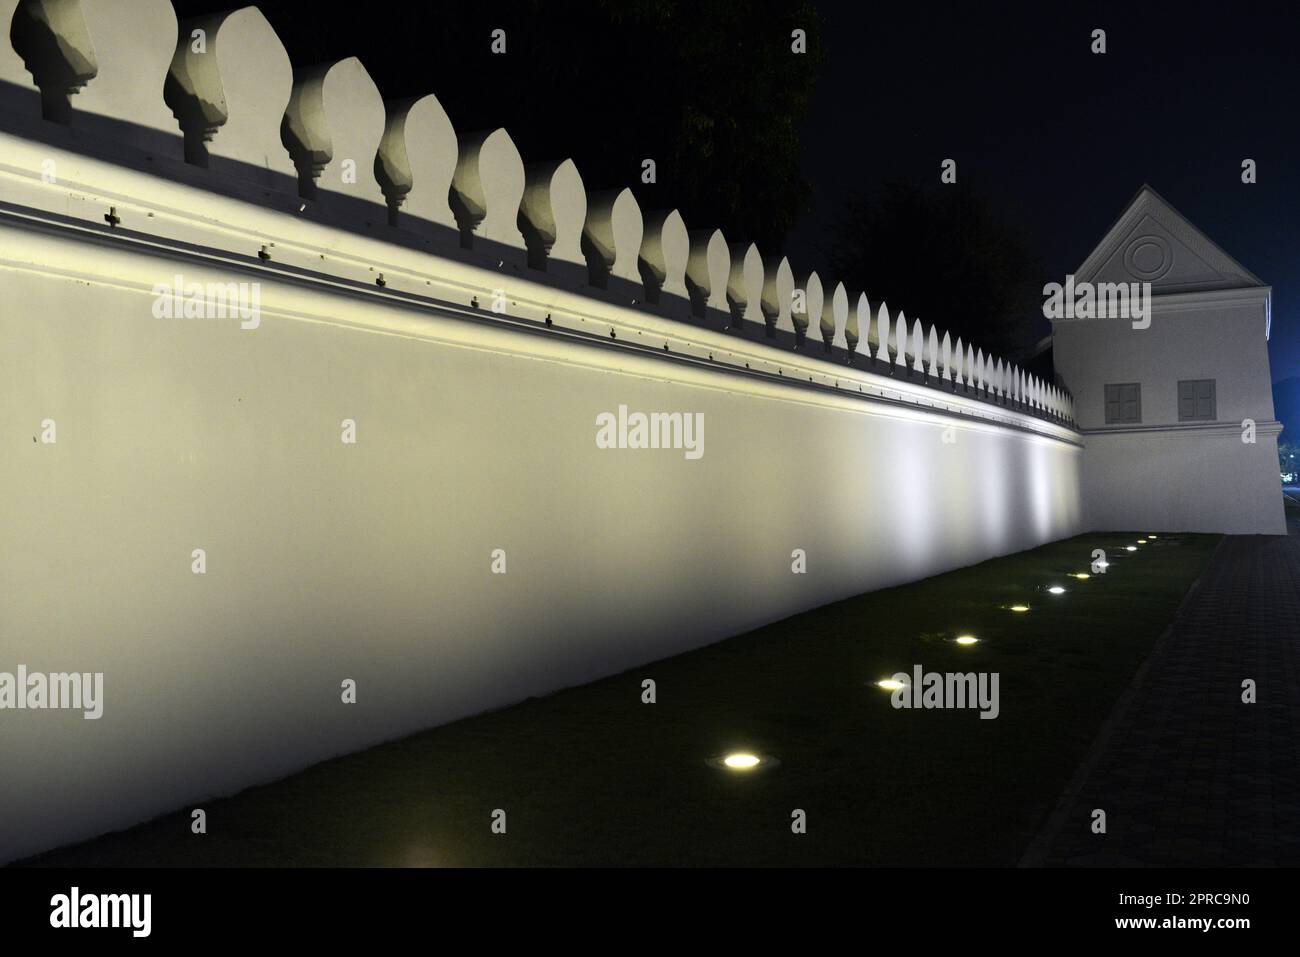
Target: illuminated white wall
476	428
328	561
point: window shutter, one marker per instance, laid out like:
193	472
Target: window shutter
1132	406
1123	402
1196	400
1205	399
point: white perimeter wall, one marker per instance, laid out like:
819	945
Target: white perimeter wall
371	562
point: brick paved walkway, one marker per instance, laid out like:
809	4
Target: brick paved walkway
1189	775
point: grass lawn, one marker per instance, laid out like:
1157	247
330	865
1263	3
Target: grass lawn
592	776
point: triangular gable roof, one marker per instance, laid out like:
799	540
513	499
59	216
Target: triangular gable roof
1153	242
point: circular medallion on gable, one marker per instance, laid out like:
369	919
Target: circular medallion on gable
1148	258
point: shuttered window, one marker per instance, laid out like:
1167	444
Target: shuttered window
1123	403
1196	400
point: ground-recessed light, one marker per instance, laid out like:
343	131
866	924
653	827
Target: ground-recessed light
966	639
1082	576
1130	548
1153	536
743	761
1142	541
1020	608
890	684
1057	590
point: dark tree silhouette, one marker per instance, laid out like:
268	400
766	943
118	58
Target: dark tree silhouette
708	89
943	255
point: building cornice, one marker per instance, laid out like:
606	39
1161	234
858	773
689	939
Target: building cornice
1267	427
1200	301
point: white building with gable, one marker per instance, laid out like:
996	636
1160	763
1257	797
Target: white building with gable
1176	409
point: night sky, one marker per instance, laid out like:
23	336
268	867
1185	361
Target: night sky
1064	138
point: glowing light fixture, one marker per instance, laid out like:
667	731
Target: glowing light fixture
1082	576
1142	541
1153	536
1130	548
889	684
743	761
1020	608
966	639
1057	590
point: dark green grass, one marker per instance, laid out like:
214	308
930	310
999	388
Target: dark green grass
591	776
